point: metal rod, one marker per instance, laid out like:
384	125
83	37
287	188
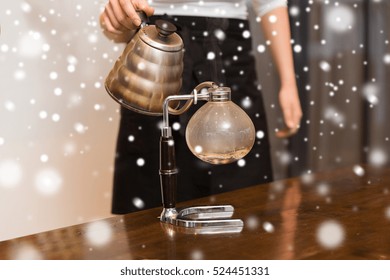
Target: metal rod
194	97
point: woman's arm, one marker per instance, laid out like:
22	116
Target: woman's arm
119	19
276	27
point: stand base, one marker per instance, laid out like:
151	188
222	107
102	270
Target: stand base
203	219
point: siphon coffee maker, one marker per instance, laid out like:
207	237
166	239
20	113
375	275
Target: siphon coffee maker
219	132
146	78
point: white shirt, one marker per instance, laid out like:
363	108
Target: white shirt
215	8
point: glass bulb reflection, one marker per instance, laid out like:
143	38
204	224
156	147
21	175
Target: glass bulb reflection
220	132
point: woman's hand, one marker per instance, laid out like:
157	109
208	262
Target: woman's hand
291	109
120	19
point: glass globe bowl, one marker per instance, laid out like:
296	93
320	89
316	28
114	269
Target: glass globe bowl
220	132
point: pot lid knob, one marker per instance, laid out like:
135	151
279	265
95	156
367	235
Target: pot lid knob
165	28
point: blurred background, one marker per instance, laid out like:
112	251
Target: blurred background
58	125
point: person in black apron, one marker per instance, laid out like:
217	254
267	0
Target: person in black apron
215	50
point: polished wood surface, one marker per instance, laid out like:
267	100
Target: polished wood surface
340	214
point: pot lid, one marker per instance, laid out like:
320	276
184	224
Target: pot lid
162	36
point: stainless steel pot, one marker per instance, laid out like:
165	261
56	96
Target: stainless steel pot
149	69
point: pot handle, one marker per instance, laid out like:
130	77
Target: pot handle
189	102
181	110
143	17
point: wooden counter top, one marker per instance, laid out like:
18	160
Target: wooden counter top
341	214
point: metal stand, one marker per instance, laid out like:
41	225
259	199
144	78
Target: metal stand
202	219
